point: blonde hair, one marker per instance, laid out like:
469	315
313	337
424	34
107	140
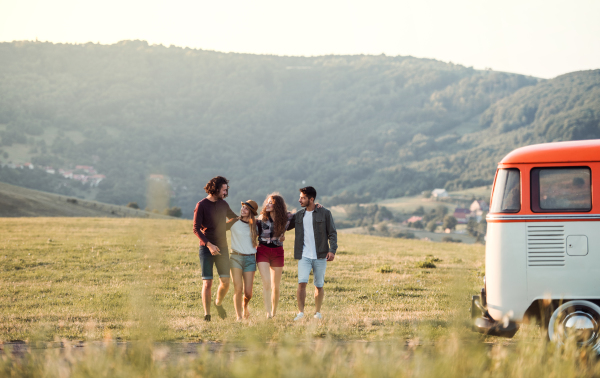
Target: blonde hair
253	227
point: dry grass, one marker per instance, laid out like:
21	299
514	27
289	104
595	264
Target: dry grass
68	280
88	278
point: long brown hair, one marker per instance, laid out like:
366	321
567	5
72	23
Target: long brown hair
280	210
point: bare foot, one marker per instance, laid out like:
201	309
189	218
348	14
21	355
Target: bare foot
245	313
238	319
269	316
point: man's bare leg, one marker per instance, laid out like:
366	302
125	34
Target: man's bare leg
238	289
301	296
265	274
248	283
222	290
206	295
319	295
276	273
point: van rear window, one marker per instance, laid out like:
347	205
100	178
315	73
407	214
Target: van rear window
561	189
507	191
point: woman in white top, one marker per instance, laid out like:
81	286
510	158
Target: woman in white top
242	260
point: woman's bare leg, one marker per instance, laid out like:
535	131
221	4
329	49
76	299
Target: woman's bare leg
275	281
238	289
248	283
265	273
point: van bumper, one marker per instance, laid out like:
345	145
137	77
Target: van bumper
485	324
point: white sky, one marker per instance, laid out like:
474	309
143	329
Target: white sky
540	38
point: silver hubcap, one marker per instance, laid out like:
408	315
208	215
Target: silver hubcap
578	320
581	326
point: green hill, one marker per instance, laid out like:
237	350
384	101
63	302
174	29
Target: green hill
374	127
21	202
564	108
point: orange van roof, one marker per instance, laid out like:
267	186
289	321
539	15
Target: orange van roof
558	152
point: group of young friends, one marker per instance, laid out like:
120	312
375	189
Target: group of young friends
257	240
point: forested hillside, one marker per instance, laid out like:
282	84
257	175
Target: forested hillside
355	127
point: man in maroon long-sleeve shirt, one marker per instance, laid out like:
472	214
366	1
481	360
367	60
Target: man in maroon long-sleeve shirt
210	219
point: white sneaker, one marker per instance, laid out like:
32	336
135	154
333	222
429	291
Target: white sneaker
318	316
299	316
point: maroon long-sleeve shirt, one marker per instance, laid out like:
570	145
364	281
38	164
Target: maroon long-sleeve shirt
210	222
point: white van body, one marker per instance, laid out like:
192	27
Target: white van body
543	242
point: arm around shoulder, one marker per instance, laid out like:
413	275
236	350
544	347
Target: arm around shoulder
230	213
292	219
230	223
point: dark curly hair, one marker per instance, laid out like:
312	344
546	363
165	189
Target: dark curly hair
280	210
215	184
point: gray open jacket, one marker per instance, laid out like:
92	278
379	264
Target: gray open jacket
324	228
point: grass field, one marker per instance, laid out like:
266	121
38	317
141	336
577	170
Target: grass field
104	281
86	278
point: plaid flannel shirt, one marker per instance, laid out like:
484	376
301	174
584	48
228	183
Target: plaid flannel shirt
265	231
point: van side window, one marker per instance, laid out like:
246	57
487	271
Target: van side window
507	192
561	189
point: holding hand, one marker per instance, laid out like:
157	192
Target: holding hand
330	256
214	250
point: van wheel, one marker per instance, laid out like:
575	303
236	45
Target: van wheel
576	319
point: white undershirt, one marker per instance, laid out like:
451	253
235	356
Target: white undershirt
241	241
309	250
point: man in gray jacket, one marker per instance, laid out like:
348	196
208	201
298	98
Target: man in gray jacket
316	243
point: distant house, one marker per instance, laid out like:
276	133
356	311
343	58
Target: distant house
94	180
478	208
462	215
66	173
81	178
414	219
86	168
439	193
28	165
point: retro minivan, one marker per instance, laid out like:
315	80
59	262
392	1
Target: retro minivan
542	256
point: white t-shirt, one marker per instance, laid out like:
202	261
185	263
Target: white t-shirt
309	250
241	240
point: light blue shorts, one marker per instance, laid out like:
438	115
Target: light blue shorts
247	263
318	266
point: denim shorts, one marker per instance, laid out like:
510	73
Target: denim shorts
318	266
207	260
247	263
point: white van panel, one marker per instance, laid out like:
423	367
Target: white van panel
506	270
578	275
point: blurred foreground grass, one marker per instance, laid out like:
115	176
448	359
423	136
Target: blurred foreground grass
106	281
452	355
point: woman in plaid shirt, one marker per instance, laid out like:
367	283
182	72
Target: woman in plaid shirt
274	220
